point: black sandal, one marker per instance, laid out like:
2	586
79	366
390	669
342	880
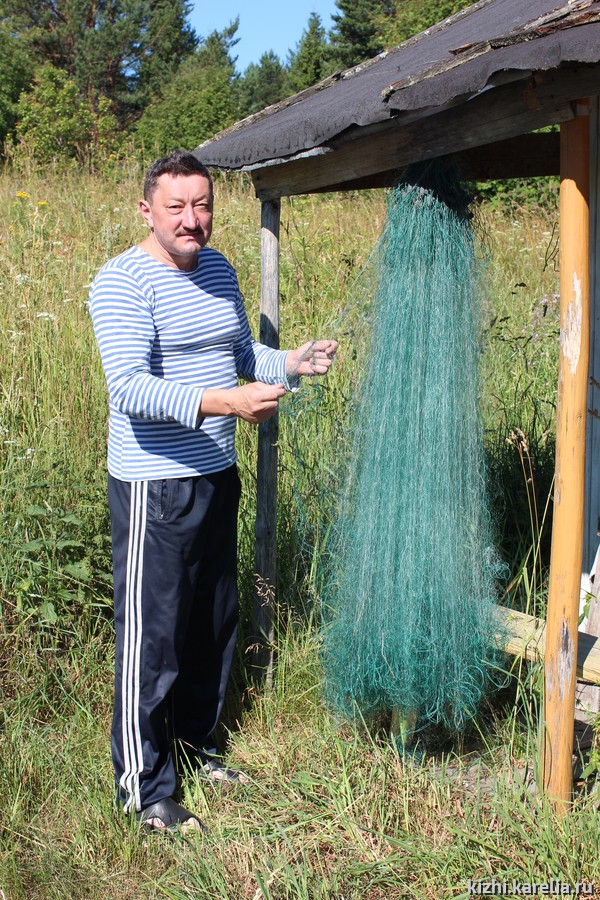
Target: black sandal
173	817
208	765
215	770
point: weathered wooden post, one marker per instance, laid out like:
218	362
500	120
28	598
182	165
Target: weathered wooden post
266	490
567	529
592	531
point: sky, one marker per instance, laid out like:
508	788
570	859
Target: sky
264	24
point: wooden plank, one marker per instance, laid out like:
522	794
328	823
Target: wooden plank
265	577
525	156
592	480
498	114
569	482
524	635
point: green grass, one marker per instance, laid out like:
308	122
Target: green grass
332	810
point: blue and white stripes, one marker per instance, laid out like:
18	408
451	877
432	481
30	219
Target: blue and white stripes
165	336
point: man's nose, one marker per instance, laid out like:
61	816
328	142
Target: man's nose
189	218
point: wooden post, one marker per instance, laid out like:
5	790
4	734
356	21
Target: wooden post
592	479
567	529
268	432
587	698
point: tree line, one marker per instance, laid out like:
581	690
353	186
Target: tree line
88	79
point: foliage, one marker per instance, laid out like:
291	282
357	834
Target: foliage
169	40
514	194
120	49
55	123
355	35
308	63
198	102
262	84
61	567
215	51
410	17
15	75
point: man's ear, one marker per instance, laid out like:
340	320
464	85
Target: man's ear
144	208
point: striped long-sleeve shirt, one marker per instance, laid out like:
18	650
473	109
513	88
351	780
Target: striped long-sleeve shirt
166	335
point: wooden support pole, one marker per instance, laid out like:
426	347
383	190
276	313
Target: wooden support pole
567	529
592	500
268	432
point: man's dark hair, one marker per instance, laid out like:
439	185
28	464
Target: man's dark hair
179	162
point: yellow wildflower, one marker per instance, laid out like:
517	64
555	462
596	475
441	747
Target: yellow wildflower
22	195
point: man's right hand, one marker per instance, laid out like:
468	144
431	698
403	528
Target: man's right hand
254	402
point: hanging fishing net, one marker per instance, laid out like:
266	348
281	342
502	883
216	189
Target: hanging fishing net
409	595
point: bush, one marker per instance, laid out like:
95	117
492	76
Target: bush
55	123
196	104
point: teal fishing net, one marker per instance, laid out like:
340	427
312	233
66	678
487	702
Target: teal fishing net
409	596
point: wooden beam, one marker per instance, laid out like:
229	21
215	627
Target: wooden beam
569	483
265	577
524	635
498	114
524	156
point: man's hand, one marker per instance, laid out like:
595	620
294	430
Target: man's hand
255	402
312	358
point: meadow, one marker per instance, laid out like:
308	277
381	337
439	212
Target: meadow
332	809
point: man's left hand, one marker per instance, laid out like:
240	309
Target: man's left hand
312	358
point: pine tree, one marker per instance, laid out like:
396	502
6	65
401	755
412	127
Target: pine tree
356	35
413	16
262	84
169	40
16	72
118	49
308	64
200	99
216	49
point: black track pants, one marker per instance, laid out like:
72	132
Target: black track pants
176	612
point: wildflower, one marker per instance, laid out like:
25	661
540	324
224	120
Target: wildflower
46	315
42	203
22	195
22	279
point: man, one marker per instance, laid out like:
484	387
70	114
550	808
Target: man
174	337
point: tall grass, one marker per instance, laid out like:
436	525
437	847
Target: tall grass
331	810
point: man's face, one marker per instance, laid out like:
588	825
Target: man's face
180	213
